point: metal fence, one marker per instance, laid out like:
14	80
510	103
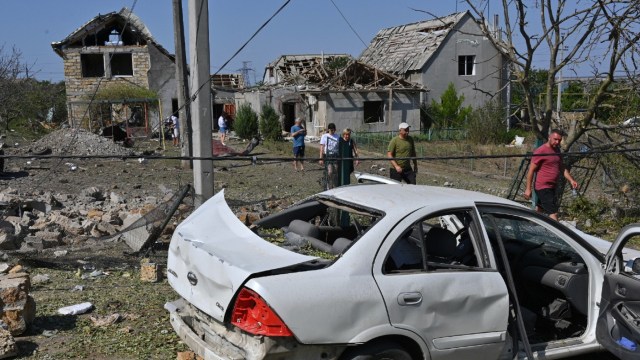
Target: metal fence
378	141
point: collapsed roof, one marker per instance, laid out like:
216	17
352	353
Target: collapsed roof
408	47
227	81
128	28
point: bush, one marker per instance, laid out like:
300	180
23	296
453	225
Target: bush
270	127
246	122
486	125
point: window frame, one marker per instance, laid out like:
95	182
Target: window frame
466	65
85	68
119	55
367	107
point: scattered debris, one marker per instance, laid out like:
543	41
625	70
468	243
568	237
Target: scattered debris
8	347
78	288
76	309
102	321
188	355
149	271
18	307
40	279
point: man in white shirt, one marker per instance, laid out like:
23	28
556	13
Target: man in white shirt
329	150
176	130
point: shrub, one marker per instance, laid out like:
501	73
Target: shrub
270	127
449	112
246	122
486	125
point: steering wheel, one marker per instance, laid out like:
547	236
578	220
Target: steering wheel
460	232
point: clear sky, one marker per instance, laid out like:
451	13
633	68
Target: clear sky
304	26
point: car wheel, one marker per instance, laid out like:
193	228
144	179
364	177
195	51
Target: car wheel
385	350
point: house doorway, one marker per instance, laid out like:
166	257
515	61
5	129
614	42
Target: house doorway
289	112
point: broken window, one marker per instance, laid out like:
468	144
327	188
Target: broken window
445	241
121	64
466	65
373	112
92	65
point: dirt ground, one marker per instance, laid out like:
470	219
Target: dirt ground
143	331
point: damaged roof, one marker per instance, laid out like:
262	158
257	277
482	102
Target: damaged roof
357	75
408	47
94	31
300	69
228	81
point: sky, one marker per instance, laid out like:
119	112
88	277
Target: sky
303	27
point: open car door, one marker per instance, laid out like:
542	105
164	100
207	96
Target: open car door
618	326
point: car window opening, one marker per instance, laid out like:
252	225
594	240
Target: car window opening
442	242
321	228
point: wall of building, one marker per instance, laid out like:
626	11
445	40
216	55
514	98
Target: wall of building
346	110
161	77
442	68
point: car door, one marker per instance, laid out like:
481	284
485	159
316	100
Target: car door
618	326
459	308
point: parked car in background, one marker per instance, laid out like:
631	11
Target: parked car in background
400	272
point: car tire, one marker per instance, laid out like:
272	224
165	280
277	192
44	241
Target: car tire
384	350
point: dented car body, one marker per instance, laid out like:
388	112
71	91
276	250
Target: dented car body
397	271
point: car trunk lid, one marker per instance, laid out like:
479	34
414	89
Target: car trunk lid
212	254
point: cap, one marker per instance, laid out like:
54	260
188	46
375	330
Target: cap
403	126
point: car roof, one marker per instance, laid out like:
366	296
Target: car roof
403	197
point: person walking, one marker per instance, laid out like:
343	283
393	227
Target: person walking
402	146
298	133
175	124
546	166
347	149
328	154
222	124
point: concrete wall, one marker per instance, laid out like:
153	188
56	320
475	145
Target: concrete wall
442	68
162	79
346	110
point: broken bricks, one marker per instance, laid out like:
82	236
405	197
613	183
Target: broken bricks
149	271
18	307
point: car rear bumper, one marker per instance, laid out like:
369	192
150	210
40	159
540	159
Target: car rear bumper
215	341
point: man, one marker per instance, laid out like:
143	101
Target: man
328	150
402	146
546	165
298	133
176	130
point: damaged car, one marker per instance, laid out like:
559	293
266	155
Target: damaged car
399	272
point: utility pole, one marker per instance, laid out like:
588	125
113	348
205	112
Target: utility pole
186	130
201	99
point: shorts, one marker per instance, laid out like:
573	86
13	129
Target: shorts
223	130
298	151
547	200
176	133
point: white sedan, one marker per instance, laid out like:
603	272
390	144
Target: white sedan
398	272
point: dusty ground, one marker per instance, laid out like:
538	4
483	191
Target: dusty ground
145	332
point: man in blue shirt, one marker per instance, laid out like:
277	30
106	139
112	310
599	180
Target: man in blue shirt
298	133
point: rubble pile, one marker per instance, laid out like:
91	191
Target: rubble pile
79	142
34	222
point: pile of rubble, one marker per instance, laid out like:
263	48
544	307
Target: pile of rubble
69	141
34	222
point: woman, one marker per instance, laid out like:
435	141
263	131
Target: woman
348	152
222	124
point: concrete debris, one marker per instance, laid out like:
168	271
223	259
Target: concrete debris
76	309
40	279
60	253
102	321
149	271
79	142
18	307
8	347
188	355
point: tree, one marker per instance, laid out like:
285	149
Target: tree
246	122
270	123
14	86
449	112
571	34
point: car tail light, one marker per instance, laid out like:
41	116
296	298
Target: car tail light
252	314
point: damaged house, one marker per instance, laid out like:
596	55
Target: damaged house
450	49
336	89
116	73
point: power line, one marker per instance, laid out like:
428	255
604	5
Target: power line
347	21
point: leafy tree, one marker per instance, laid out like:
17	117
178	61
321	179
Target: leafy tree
14	73
449	112
246	122
270	123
